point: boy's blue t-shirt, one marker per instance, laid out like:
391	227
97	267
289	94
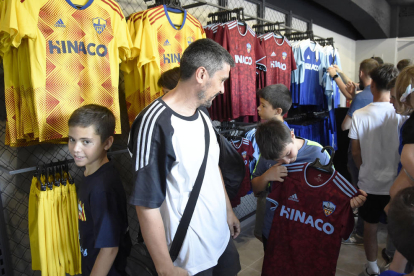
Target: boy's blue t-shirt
103	220
307	153
391	273
361	100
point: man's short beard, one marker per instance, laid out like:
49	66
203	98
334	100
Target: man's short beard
205	102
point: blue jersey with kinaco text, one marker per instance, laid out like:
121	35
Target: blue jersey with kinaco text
306	86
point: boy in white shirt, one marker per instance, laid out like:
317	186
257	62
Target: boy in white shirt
375	139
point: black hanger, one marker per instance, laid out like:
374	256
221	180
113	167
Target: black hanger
175	4
57	180
62	176
328	167
49	184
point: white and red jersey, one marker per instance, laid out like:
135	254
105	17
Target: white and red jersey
245	148
312	215
239	98
279	61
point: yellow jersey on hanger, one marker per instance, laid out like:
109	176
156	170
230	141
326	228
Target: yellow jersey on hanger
74	58
161	35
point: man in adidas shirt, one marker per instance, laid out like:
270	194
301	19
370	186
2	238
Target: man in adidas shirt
292	150
167	145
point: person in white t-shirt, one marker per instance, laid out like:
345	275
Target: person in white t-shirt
374	136
167	144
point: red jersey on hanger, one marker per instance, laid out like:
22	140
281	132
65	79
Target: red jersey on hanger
312	215
239	98
280	61
245	148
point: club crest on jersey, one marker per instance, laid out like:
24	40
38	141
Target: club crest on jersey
284	55
190	40
328	208
244	154
99	24
249	48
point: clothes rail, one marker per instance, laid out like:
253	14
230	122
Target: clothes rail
249	17
68	161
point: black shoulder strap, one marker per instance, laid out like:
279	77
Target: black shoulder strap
192	201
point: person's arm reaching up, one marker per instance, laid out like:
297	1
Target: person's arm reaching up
339	82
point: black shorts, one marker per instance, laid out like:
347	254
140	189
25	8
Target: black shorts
373	208
227	265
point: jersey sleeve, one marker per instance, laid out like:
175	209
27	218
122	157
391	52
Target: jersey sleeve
262	165
353	131
123	40
259	53
153	155
347	222
106	220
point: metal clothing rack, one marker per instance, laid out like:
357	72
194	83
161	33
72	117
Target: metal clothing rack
68	161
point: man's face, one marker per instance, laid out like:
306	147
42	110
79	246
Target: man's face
214	86
266	111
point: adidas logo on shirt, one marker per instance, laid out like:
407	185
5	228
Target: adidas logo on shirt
294	198
308	57
167	43
273	54
60	24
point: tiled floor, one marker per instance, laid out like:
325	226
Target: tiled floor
350	262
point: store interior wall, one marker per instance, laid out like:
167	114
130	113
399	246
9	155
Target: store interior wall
346	48
383	48
405	48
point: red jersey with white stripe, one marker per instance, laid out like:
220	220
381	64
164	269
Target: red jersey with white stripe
245	148
280	61
312	215
243	45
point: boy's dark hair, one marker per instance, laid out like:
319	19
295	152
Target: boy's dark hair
100	117
404	63
272	137
204	53
379	60
391	84
278	95
368	65
382	75
170	78
401	222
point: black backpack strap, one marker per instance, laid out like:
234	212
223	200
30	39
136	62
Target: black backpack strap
192	201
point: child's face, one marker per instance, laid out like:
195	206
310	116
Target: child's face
290	153
266	111
86	147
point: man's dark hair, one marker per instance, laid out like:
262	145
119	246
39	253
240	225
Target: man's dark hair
272	137
404	63
100	117
278	95
379	60
204	53
170	78
401	222
382	75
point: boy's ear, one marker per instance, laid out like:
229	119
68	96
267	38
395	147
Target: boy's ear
108	143
279	111
292	134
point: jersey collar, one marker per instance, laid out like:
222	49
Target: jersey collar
166	10
84	7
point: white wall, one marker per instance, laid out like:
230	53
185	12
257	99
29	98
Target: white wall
405	48
346	48
383	48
